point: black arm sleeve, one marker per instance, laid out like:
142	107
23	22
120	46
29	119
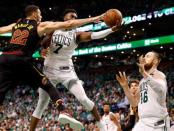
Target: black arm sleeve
130	124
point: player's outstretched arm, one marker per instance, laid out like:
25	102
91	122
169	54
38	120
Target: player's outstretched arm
88	36
6	29
47	27
122	79
115	121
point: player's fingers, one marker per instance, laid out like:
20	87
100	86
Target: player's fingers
124	74
120	74
141	59
117	77
138	64
122	23
114	28
102	16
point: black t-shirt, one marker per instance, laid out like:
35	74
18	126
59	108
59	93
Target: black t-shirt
24	37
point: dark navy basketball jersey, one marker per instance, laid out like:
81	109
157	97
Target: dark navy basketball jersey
24	37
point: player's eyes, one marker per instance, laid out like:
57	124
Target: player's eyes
73	16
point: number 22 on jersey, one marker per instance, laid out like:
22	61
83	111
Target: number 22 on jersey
20	37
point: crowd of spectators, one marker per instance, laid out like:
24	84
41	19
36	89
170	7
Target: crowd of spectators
100	86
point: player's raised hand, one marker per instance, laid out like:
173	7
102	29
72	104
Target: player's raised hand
122	79
114	118
102	16
99	18
118	27
141	64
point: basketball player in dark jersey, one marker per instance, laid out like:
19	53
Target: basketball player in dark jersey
16	60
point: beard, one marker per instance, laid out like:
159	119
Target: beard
148	66
106	112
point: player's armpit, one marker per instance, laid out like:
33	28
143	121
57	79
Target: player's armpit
157	83
83	36
46	41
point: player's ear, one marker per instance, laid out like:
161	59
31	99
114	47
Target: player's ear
156	61
34	14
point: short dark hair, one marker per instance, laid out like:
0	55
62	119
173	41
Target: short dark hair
68	11
106	103
133	81
30	9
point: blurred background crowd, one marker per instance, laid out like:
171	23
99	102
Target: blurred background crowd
100	86
97	71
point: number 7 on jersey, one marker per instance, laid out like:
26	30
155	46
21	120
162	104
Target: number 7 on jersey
59	46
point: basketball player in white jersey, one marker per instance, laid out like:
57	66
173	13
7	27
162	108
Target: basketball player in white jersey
151	99
109	119
58	67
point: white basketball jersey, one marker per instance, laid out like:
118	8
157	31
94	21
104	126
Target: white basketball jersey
108	124
152	103
63	44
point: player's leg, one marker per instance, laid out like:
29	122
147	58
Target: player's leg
41	106
40	80
76	88
45	84
56	77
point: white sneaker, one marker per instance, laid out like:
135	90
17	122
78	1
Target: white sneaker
67	119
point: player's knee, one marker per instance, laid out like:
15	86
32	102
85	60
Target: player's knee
43	94
87	103
44	100
73	82
41	106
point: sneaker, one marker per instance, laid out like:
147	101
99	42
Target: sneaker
65	118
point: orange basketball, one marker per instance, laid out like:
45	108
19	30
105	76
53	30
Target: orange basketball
113	17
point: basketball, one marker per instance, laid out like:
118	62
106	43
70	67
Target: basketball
113	17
